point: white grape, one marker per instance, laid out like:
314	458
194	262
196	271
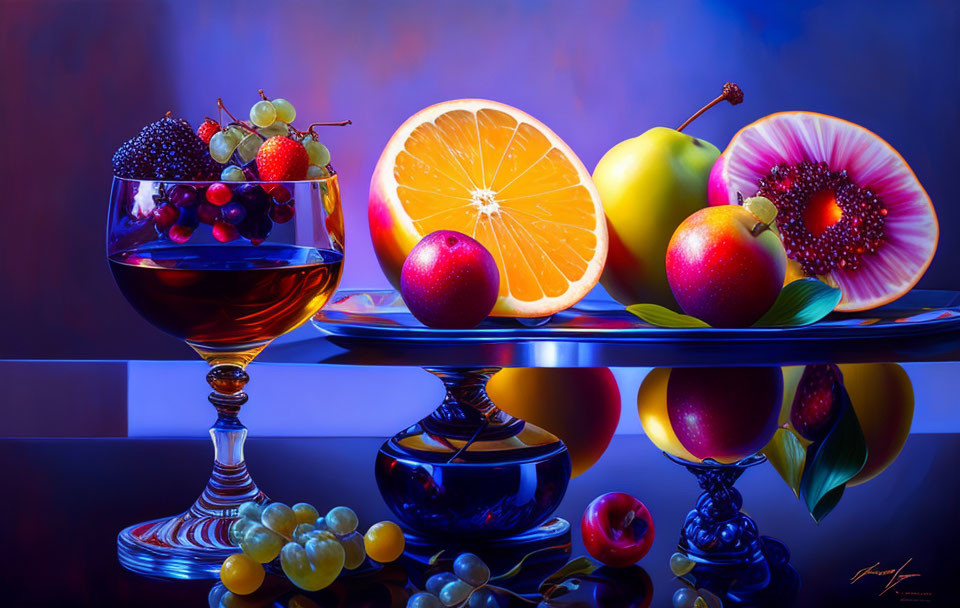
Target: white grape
263	113
285	110
317	152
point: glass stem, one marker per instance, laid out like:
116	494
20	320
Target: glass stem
230	484
467	412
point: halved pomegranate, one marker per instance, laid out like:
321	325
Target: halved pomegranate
850	209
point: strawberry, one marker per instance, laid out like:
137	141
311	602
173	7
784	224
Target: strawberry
282	159
206	130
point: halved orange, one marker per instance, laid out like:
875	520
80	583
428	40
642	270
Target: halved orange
497	174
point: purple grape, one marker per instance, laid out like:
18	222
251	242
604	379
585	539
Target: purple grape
188	217
234	213
182	196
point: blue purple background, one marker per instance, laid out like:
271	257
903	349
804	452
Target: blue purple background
80	78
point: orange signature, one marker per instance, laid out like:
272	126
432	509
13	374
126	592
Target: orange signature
896	576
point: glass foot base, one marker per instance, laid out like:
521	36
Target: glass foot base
194	544
138	551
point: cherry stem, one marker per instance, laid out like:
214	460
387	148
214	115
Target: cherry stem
262	96
731	92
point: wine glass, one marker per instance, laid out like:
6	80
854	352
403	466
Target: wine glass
227	267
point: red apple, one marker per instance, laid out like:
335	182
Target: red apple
617	529
725	266
449	281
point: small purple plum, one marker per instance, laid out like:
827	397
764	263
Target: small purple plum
449	281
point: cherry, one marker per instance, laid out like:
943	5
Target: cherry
224	232
281	214
219	194
165	216
179	233
208	213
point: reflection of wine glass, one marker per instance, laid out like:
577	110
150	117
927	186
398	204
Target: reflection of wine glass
272	258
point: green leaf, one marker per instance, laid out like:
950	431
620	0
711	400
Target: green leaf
579	566
832	462
801	302
664	317
786	454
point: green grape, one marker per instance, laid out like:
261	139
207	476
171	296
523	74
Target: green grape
312	567
483	598
318	153
285	110
263	113
454	593
234	173
248	147
279	518
277	128
437	582
680	564
305	513
250	509
341	520
423	600
238	528
471	569
315	172
684	597
301	533
709	599
353	549
261	544
222	145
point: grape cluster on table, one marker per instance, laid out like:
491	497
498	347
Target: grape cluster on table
312	549
465	586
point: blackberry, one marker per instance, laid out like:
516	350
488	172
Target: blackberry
165	149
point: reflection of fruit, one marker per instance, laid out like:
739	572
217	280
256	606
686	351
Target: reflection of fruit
500	176
725	266
648	185
617	529
727	413
449	280
817	401
581	406
652	407
851	210
882	398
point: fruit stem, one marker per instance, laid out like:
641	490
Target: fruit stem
240	123
262	96
758	228
310	130
731	92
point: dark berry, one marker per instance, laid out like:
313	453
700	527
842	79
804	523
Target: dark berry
165	149
209	169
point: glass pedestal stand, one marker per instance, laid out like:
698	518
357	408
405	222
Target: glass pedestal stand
194	544
472	475
733	560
